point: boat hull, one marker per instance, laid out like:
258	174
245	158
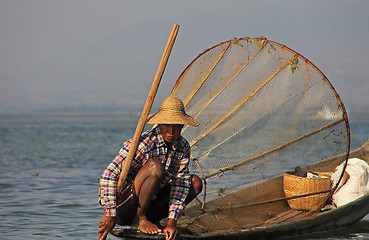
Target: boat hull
341	217
285	222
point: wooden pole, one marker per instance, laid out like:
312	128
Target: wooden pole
147	108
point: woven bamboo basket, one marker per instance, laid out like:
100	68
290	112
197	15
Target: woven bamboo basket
295	185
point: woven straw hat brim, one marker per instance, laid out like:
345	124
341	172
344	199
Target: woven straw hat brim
172	117
172	112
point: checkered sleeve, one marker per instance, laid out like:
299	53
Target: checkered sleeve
108	180
180	187
108	186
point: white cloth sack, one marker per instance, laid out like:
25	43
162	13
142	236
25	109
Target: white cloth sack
354	183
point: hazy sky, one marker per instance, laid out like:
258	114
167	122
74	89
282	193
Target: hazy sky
102	54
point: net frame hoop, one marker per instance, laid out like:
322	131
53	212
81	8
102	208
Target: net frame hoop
265	41
181	77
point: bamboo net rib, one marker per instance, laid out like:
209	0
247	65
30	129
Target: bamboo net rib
243	102
206	77
242	128
232	167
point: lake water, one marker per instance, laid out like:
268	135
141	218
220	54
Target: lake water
49	170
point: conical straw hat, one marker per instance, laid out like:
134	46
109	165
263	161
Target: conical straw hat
172	112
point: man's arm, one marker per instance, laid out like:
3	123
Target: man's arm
108	186
180	187
108	195
178	195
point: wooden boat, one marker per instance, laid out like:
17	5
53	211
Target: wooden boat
271	220
265	110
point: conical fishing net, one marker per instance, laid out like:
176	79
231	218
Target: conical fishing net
264	109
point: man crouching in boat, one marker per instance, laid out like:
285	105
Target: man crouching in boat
158	184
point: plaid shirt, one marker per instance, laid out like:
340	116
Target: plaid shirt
175	160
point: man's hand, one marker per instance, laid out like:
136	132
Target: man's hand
106	225
170	231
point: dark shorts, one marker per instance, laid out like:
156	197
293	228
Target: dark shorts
128	202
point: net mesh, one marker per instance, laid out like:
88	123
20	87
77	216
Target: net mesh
264	109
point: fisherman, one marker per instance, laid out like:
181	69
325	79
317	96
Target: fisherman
158	184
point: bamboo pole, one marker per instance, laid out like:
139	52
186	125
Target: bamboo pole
147	108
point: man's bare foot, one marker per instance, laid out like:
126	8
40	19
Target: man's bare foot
148	227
